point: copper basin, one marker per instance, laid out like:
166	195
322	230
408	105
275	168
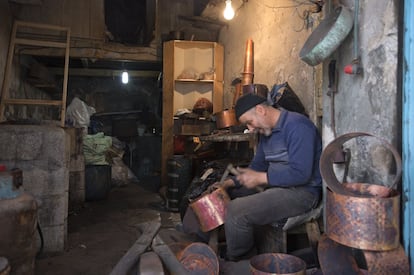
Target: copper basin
277	263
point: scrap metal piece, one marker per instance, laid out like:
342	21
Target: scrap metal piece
335	258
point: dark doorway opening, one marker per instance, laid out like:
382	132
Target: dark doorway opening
130	21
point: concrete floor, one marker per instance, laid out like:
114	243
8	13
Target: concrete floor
101	232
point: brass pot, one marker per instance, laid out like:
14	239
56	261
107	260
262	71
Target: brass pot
210	209
226	118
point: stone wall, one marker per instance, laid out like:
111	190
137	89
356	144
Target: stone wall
42	153
368	102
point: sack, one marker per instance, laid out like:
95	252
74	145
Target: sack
283	96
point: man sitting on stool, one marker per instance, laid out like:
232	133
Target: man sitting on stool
285	167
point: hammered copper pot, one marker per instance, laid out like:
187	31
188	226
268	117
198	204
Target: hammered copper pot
210	209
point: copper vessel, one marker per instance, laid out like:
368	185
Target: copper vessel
277	263
363	221
199	258
331	150
225	119
248	72
210	209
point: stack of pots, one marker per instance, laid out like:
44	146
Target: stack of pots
360	216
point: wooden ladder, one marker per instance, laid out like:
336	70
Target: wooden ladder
15	39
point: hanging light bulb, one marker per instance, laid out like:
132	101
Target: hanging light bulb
125	77
228	11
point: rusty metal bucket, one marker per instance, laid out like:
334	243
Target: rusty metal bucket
210	209
199	258
277	264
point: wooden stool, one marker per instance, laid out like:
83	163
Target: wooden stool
272	238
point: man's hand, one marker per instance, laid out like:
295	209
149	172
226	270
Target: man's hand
251	178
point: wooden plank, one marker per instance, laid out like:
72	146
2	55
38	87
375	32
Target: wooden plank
99	50
7	73
167	149
32	102
130	258
40	26
105	72
40	43
65	80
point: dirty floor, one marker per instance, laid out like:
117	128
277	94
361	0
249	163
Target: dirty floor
101	232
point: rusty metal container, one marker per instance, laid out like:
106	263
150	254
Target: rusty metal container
363	221
18	219
277	264
210	209
199	258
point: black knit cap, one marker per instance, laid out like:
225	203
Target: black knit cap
246	102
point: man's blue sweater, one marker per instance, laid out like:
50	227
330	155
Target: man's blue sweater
290	155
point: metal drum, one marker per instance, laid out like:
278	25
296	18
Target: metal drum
179	178
277	264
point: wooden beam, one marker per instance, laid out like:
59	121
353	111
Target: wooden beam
104	72
83	48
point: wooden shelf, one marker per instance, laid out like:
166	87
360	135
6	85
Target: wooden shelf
179	56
